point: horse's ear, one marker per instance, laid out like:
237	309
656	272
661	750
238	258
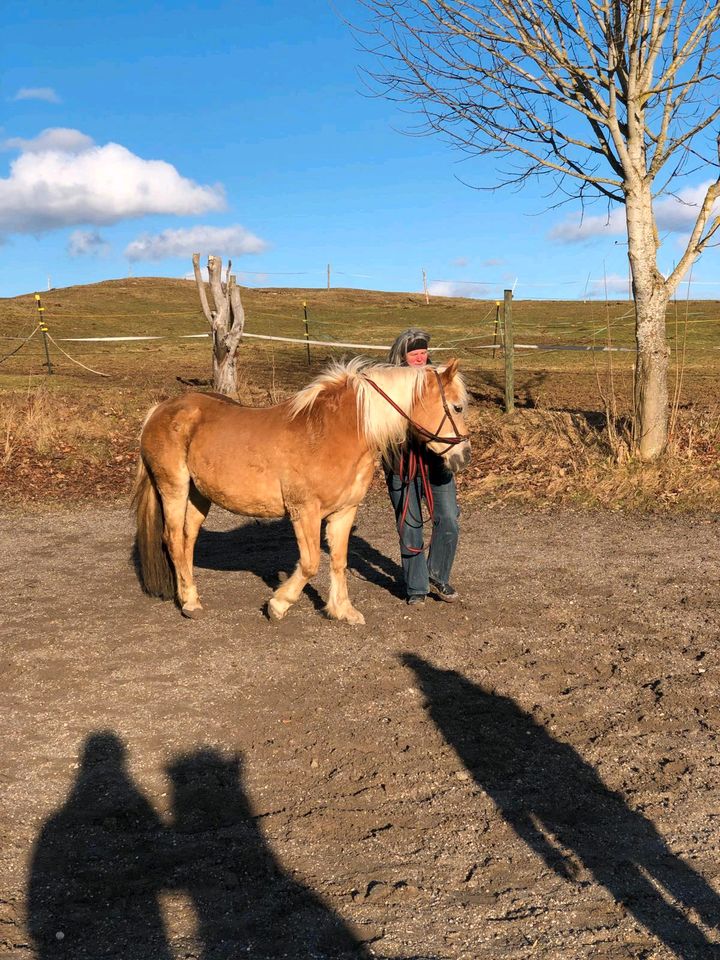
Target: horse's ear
450	369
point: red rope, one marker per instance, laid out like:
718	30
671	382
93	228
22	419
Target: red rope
416	464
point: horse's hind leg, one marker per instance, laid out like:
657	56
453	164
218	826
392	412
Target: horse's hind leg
195	514
307	531
175	507
338	530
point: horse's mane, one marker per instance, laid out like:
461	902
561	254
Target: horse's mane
381	424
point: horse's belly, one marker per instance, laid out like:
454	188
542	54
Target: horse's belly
251	492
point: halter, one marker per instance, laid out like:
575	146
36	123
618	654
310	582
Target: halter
428	434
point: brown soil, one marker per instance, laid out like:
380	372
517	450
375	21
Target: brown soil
532	772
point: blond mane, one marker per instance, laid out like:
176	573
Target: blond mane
382	426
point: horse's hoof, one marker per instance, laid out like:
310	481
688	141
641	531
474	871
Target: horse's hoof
275	610
348	616
356	618
193	613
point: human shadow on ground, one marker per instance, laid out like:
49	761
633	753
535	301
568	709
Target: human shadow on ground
104	858
553	799
95	875
245	902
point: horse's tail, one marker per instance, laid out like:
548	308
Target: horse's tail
152	561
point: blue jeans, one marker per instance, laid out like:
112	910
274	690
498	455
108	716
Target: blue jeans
417	567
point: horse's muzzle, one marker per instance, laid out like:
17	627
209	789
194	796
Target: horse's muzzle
458	457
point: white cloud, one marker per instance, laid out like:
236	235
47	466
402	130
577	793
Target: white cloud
37	93
222	241
63	139
575	229
679	213
460	262
614	283
86	243
450	288
673	214
50	187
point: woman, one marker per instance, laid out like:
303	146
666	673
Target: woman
407	491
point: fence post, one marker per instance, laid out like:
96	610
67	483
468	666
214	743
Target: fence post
44	330
307	332
425	289
328	276
509	350
497	325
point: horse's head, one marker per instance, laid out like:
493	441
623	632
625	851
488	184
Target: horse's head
440	413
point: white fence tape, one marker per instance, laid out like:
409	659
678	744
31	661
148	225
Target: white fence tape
254	336
358	346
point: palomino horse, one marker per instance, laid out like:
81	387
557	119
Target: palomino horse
311	457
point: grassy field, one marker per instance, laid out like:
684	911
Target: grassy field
73	434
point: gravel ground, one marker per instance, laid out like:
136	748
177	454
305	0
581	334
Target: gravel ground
531	772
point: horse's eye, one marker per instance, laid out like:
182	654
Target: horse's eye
457	407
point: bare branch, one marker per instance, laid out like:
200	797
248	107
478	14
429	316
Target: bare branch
201	289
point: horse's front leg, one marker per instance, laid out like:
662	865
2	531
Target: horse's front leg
338	530
306	524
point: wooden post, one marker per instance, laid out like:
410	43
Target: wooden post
427	298
328	276
509	350
307	332
497	325
44	331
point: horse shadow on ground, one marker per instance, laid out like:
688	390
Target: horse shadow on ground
268	549
103	860
556	802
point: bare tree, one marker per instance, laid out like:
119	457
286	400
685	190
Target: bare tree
612	99
227	321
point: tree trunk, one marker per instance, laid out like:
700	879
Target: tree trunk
651	297
227	322
224	369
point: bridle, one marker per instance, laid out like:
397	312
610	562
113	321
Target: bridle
422	431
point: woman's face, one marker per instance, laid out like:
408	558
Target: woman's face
417	358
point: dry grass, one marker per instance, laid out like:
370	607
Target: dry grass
545	457
74	435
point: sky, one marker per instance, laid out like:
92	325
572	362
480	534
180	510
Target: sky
134	134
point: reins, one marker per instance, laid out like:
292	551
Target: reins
428	434
416	463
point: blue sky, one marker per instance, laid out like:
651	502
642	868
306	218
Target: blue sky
133	134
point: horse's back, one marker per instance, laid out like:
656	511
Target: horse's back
234	455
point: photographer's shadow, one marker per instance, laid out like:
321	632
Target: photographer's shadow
245	902
556	801
104	859
95	876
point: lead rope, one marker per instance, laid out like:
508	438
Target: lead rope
415	464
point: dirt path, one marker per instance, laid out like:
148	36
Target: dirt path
531	773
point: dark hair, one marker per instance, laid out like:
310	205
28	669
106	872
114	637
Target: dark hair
412	339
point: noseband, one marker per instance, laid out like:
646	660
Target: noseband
428	434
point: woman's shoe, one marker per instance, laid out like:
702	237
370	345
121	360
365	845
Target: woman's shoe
444	591
417	599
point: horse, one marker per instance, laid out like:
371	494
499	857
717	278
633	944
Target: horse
311	458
